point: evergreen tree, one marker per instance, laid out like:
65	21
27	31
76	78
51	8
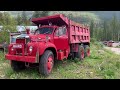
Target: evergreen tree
24	18
19	19
9	25
91	28
44	13
36	14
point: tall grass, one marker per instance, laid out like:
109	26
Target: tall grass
102	64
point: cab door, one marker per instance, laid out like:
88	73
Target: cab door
61	38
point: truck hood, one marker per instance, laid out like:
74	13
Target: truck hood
22	36
34	37
38	37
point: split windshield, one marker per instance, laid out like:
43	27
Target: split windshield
45	30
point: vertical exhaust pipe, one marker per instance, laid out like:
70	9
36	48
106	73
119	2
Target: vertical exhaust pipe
28	31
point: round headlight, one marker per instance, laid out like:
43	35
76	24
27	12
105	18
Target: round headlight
30	48
12	49
27	37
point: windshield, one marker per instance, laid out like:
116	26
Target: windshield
13	40
45	30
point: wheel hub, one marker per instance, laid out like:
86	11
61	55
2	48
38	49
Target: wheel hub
50	63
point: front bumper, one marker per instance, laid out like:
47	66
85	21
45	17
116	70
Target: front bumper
29	59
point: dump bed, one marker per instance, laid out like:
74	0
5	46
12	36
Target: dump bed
58	20
77	33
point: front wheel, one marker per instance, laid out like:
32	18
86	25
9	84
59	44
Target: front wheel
17	66
46	63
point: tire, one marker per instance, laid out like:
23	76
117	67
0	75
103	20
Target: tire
80	53
46	63
71	56
87	51
17	66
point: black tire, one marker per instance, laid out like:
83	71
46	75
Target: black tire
17	66
43	64
80	53
71	56
87	51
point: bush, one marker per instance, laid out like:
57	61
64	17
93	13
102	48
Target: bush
93	40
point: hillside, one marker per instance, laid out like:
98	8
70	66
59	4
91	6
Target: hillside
101	14
106	14
14	13
80	17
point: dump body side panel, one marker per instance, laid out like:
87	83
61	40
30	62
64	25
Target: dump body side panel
78	33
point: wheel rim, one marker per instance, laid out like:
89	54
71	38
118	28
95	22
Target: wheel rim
82	53
88	52
50	63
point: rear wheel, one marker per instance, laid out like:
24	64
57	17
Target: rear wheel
87	51
72	56
81	52
46	63
17	66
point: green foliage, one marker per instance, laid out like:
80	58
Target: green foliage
25	20
1	56
100	65
91	28
80	17
93	40
19	19
99	29
6	19
44	13
9	25
109	30
97	66
37	14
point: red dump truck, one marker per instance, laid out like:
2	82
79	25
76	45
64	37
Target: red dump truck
57	38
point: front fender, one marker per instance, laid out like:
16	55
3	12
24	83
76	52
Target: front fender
44	46
40	48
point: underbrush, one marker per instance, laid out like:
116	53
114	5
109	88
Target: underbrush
102	64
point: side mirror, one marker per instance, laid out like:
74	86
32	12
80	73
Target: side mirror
57	33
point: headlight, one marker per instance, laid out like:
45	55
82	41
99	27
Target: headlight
30	48
12	49
27	37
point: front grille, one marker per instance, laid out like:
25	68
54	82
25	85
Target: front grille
19	52
23	41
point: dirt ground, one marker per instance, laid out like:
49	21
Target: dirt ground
116	50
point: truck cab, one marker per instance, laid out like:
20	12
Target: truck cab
54	35
34	48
